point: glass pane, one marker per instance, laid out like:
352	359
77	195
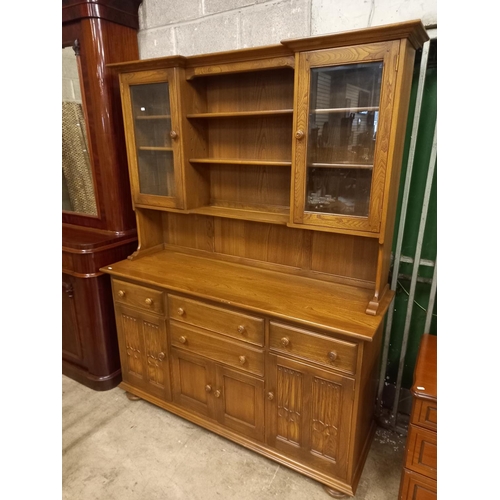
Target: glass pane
77	176
344	191
343	119
152	123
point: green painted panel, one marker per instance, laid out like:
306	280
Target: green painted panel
413	217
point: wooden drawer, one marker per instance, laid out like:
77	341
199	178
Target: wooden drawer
218	348
234	324
138	296
421	451
333	353
417	487
424	413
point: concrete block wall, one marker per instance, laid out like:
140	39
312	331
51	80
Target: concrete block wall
189	27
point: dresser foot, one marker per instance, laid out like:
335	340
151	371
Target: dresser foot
132	397
334	493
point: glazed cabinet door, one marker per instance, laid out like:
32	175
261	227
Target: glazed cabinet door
309	414
152	117
344	111
143	351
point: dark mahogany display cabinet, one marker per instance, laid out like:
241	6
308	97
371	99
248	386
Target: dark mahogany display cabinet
98	223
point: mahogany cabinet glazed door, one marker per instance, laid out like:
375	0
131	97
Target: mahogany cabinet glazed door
309	414
152	130
344	101
143	351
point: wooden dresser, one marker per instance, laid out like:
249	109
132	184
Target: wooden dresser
419	479
264	184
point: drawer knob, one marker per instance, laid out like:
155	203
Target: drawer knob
180	311
332	355
243	360
121	293
241	329
161	356
299	134
173	134
182	339
270	396
149	301
217	394
285	342
208	388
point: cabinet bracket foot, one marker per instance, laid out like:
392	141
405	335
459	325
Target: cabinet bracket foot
131	396
334	493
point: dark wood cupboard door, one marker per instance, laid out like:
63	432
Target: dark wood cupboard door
240	402
71	337
193	382
309	414
143	351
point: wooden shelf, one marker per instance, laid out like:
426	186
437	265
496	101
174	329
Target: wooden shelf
280	216
153	148
239	161
323	111
153	117
243	114
342	165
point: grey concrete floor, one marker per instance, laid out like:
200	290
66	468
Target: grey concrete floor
114	448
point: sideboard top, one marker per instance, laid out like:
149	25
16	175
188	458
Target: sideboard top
329	306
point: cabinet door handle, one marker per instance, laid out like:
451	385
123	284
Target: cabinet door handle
180	311
208	388
149	301
161	356
243	360
121	293
270	396
182	339
285	341
217	393
332	355
173	134
299	134
241	329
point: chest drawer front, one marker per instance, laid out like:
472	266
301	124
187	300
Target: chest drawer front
425	413
234	324
218	348
421	454
333	353
138	296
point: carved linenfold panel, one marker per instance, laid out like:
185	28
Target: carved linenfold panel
133	344
153	347
289	401
326	405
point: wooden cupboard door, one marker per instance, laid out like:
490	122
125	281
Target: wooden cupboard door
71	337
194	382
309	414
344	101
240	402
152	127
143	351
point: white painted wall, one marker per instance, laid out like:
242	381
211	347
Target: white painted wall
189	27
